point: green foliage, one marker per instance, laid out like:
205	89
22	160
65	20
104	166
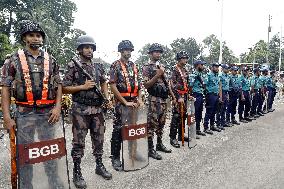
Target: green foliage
5	47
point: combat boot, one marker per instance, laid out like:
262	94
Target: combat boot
101	170
78	179
160	146
174	143
116	163
152	152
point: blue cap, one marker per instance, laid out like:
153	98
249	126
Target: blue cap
235	68
199	62
225	66
215	64
256	70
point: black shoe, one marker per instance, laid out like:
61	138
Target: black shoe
252	117
208	131
78	179
116	163
235	122
185	139
174	143
271	110
221	127
200	133
213	128
101	170
160	147
153	154
260	114
248	119
197	137
226	125
263	112
243	120
256	116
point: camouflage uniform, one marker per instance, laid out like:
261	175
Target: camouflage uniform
29	117
157	108
85	117
177	84
117	78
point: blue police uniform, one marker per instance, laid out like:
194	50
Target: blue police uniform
222	110
197	86
256	91
245	104
263	84
271	87
234	94
212	100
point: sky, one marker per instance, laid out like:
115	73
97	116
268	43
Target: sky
161	21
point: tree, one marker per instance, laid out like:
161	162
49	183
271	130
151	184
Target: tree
189	45
55	17
167	58
5	47
212	46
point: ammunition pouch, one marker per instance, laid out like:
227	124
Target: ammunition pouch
159	91
88	98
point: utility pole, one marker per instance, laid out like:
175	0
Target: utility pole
221	36
280	50
269	30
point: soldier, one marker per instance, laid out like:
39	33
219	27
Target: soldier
244	102
179	84
87	107
126	89
196	87
38	93
213	98
156	83
255	91
224	80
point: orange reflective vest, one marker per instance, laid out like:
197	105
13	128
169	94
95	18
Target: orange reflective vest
28	81
125	74
182	92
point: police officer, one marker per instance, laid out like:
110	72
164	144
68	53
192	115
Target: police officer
271	87
234	94
244	102
255	91
157	86
225	81
213	98
179	84
87	107
197	89
37	94
263	84
126	89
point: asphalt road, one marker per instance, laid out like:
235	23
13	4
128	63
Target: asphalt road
245	156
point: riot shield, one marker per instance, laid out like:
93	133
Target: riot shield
191	124
134	136
41	153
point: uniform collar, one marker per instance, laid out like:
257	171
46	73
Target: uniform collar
28	53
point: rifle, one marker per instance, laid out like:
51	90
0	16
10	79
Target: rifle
96	89
163	78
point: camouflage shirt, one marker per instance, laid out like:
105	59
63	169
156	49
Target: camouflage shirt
71	78
149	71
11	74
117	77
177	81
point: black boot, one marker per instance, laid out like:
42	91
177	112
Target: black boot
78	179
115	154
174	143
152	152
160	146
198	132
101	170
116	163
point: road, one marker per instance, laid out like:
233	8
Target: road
245	156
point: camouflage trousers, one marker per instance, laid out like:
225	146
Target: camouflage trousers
81	125
176	121
30	125
156	118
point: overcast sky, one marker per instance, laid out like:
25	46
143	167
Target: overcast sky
148	21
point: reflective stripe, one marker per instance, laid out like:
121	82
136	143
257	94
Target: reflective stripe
28	82
184	82
125	73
